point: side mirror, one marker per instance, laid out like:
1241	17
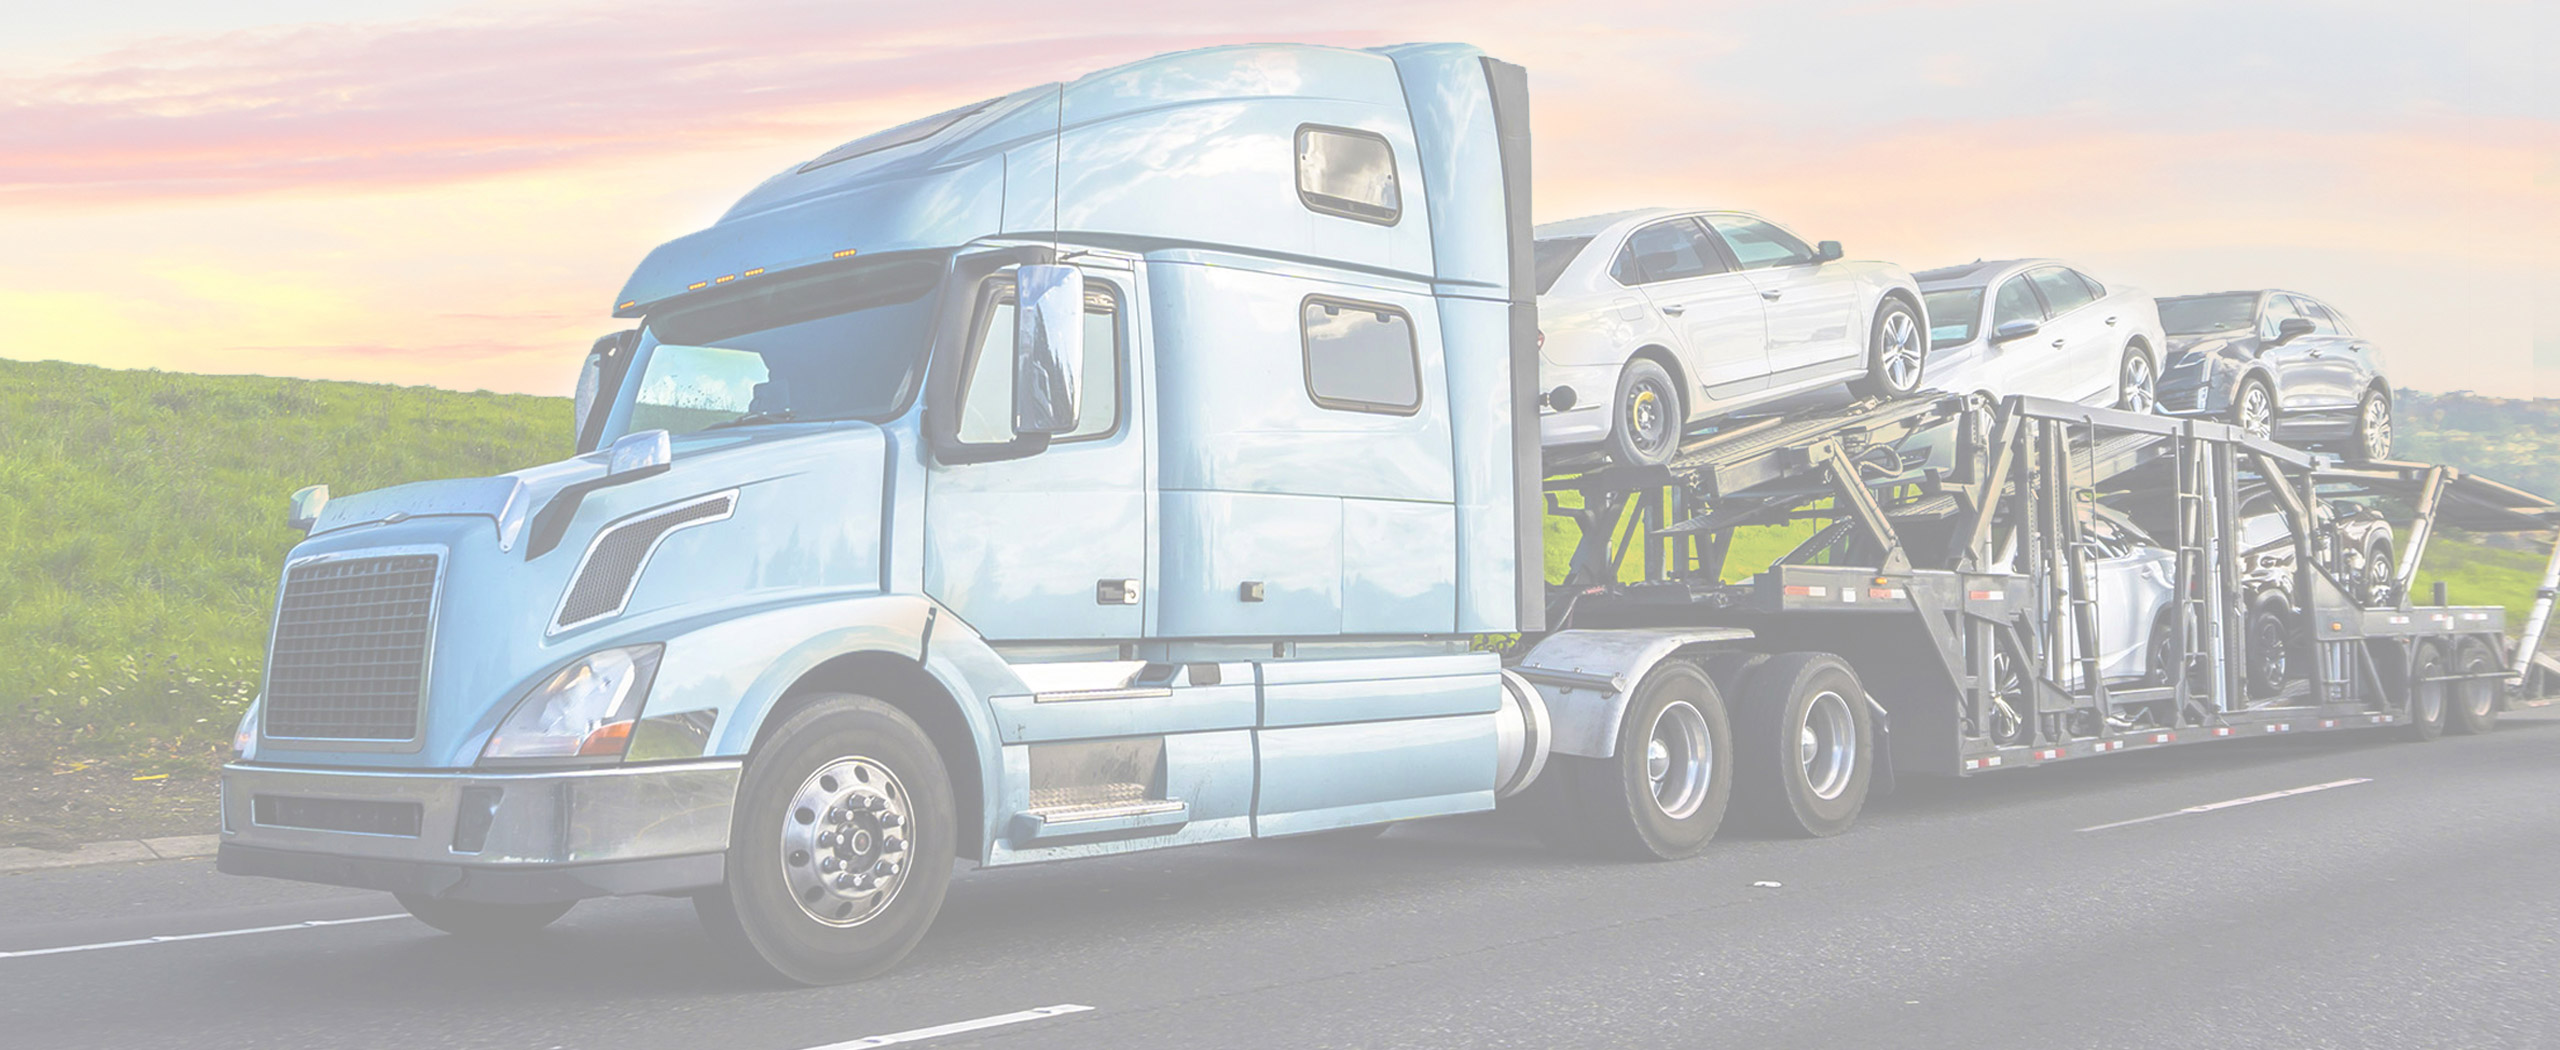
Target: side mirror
2293	328
1048	348
601	371
1827	251
2018	329
636	456
303	511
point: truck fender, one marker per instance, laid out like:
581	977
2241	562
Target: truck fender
1585	677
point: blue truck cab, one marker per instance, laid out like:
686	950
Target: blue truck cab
1112	465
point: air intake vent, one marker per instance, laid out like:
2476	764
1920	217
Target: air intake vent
350	654
612	566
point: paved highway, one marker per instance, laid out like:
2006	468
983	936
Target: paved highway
2409	902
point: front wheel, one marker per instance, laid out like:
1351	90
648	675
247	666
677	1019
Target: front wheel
2373	428
1650	415
481	920
1897	351
2253	408
2137	383
841	846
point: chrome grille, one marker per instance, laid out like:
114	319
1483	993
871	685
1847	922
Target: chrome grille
349	660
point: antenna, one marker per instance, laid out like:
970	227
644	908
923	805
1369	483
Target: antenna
1057	168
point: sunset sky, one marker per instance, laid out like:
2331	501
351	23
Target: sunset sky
414	191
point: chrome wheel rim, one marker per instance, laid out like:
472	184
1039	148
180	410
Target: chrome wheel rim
1827	745
844	841
2377	428
1649	415
2479	695
2139	392
1678	760
2427	696
1902	354
2257	413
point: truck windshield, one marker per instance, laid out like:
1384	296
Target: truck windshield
846	344
2199	314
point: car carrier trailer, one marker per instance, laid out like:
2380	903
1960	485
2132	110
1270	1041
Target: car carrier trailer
1149	460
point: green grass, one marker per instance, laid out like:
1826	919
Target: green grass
2476	574
142	529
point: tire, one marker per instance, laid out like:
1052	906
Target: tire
1615	806
850	780
1651	415
2472	704
2270	649
2253	407
2164	649
1897	352
2137	382
2377	579
2014	726
2372	439
2427	700
1804	746
481	920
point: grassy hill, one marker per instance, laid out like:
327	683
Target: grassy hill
142	530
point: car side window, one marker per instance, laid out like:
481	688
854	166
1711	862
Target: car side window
2016	302
1361	357
2096	290
2321	321
2278	310
2062	289
986	395
1759	245
1668	251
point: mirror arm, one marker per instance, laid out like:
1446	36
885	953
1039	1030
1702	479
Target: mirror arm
953	314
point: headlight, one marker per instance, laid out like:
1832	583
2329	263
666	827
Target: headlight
244	740
586	710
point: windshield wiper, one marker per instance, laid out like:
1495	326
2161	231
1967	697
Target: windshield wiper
754	419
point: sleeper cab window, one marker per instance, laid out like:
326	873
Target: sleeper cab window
1361	357
986	396
1348	173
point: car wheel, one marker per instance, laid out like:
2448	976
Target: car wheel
2377	580
2425	693
2253	408
1651	416
481	920
1897	352
2270	650
1805	750
841	846
2011	704
2373	428
2474	699
2137	384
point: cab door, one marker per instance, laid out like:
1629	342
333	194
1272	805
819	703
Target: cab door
1053	545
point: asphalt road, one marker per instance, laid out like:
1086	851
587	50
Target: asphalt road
2416	908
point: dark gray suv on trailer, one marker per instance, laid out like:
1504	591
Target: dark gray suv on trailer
2277	364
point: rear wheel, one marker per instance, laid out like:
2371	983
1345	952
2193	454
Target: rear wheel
1805	754
2373	428
1896	352
481	920
2377	580
2474	700
2253	408
2270	650
2010	701
2137	385
1650	414
2425	693
841	846
1663	794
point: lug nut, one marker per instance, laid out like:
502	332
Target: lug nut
885	868
844	881
892	844
873	802
864	881
829	864
826	840
837	815
891	819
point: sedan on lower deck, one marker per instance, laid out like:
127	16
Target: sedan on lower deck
2280	365
2043	328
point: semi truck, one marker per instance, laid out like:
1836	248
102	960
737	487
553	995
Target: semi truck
1152	459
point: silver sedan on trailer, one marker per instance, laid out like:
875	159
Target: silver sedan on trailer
2045	328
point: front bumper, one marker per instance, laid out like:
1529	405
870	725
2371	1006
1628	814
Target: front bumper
492	836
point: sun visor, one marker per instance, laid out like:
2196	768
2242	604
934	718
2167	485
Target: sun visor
936	210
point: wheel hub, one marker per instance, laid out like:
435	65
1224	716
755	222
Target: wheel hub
1679	760
844	841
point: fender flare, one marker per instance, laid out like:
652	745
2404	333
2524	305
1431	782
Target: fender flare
1587	676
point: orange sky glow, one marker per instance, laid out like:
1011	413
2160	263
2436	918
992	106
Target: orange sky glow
450	195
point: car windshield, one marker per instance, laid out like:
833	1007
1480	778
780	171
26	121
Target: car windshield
846	344
1953	315
1554	254
2202	314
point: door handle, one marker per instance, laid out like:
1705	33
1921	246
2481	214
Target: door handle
1772	295
1674	309
2057	344
1115	592
2111	322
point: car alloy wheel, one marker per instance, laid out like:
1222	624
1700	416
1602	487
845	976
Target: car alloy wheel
2255	412
2373	427
1902	352
2138	389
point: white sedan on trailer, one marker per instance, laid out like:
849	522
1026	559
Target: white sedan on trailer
1652	321
2044	328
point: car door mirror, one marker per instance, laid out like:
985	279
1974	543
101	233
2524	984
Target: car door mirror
2018	329
1827	251
2293	328
1048	348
